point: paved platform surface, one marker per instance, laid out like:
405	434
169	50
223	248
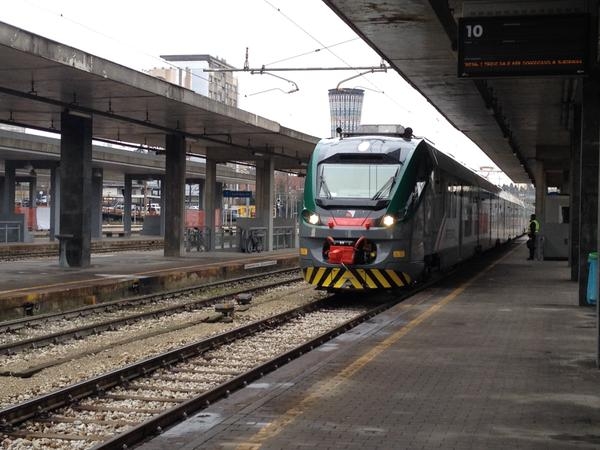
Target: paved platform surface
49	287
505	360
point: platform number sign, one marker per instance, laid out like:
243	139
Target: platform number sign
523	46
474	31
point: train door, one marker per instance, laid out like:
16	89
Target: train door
476	200
461	218
503	220
422	196
447	245
434	212
490	197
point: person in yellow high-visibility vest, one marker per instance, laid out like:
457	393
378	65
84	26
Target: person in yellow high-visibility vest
534	229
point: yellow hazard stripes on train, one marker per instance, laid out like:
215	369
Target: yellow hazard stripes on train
345	278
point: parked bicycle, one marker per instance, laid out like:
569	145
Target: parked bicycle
196	238
253	241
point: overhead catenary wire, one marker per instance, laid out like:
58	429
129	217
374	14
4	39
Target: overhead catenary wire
268	2
313	51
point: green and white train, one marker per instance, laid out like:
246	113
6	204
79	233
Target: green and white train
383	208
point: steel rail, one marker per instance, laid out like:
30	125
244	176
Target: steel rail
16	414
16	324
99	384
113	324
15	255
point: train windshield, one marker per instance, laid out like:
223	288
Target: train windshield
356	180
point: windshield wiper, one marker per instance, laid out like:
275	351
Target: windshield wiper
387	186
323	186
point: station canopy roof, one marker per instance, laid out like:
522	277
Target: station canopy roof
516	121
41	78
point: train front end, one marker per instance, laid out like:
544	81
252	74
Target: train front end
354	233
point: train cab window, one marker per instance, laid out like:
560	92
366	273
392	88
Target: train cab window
356	180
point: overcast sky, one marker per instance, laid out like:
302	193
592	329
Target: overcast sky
278	33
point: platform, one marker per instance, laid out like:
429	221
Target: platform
504	359
42	286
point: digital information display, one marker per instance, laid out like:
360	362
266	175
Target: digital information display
523	46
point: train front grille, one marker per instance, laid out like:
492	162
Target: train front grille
354	278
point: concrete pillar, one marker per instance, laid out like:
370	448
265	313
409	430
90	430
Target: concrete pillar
161	203
588	211
54	202
76	188
172	194
96	206
541	192
265	197
575	191
201	184
127	189
219	196
8	194
210	188
2	199
32	191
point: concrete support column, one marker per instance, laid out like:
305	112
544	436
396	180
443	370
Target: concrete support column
201	194
54	202
96	207
8	194
265	197
127	189
588	211
210	188
2	199
32	192
173	191
161	203
219	196
575	188
541	191
76	189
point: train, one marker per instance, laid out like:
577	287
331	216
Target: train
382	209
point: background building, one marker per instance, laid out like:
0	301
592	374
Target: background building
345	106
188	71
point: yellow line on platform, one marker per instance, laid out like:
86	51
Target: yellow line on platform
325	388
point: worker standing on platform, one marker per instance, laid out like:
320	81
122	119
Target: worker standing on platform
534	229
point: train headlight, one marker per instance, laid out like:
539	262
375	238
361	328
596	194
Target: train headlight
311	217
388	220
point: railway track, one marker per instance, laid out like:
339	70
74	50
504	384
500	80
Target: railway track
127	405
20	252
55	329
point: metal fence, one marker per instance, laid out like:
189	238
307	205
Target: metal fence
10	230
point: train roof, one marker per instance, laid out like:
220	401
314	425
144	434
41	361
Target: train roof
328	147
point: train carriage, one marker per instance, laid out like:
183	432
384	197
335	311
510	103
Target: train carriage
382	209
